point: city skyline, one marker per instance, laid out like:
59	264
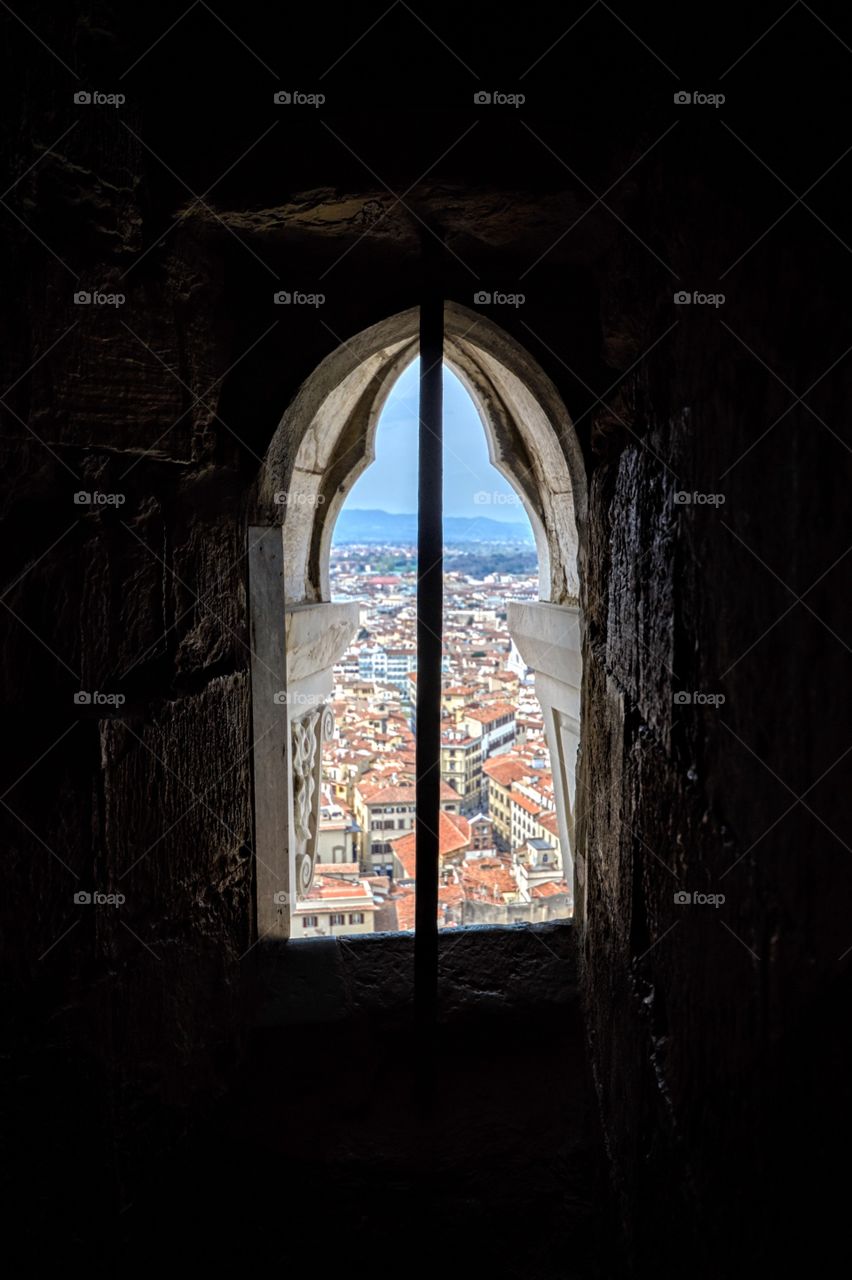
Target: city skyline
501	856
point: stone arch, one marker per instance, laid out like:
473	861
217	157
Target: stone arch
324	441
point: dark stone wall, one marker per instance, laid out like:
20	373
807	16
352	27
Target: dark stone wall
716	1031
710	1028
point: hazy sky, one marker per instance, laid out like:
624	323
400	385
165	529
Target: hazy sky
472	487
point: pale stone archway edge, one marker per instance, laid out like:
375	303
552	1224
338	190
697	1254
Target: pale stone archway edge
326	438
324	441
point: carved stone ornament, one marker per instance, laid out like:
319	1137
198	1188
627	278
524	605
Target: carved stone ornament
307	735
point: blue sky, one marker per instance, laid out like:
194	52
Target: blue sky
472	487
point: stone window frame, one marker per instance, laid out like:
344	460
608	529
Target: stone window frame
323	443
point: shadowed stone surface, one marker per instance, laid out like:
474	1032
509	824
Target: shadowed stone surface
717	1036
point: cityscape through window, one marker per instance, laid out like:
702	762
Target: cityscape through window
499	845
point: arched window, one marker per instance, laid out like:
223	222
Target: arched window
324	442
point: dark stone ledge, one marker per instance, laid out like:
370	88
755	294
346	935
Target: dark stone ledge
483	969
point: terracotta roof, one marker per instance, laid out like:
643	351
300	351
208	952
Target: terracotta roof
404	901
450	894
486	714
386	793
505	770
549	889
494	879
326	888
454	835
550	822
524	802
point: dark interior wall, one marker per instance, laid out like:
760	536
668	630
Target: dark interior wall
706	1024
720	1055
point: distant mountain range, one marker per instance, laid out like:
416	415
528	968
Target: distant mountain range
401	529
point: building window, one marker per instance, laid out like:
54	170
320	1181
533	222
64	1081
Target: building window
310	922
356	917
337	917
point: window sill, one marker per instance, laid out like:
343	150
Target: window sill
482	969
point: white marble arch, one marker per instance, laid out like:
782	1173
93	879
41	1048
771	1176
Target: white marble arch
325	440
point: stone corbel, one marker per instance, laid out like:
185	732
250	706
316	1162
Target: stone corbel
548	638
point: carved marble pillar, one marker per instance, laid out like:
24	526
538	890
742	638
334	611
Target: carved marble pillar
548	639
308	732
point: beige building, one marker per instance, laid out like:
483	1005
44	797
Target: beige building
337	835
385	812
461	766
339	902
494	724
532	816
500	774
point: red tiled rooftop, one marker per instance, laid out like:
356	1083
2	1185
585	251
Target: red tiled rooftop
404	901
524	802
549	889
493	712
327	887
454	835
550	822
505	770
489	877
